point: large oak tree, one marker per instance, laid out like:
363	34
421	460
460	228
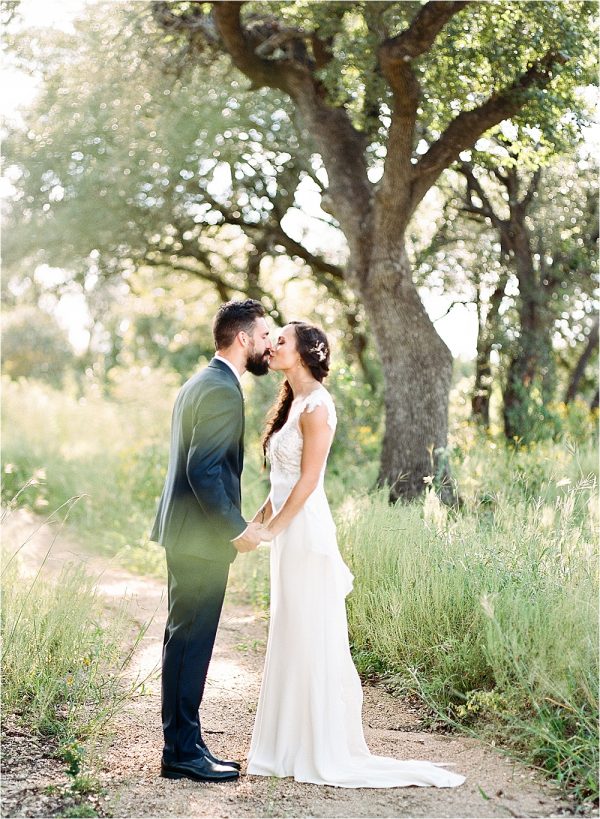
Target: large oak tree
391	94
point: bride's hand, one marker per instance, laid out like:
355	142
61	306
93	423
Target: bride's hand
266	534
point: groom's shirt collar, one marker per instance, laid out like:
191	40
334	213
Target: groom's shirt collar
230	365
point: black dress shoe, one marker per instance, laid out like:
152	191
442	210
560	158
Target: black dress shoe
230	764
200	769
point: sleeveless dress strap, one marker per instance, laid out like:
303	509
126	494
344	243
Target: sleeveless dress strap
317	398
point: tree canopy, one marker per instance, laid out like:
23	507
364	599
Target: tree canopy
188	136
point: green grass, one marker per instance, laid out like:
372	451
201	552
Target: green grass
111	455
491	618
64	660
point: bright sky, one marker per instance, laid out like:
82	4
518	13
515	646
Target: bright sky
458	328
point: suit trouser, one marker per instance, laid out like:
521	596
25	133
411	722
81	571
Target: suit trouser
196	592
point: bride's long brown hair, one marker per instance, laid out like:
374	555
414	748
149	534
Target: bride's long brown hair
313	348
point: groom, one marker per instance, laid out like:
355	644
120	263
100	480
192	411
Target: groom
200	525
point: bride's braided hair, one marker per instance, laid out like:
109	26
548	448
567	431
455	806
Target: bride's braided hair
313	349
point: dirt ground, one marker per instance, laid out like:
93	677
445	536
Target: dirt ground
128	769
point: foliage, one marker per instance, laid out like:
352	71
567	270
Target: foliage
523	537
491	44
213	182
117	472
34	346
158	198
49	455
124	166
488	614
530	414
468	256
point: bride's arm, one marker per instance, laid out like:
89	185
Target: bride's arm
317	434
265	513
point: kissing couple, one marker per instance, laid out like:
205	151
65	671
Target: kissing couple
308	723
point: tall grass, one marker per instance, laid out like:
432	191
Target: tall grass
492	619
63	659
110	453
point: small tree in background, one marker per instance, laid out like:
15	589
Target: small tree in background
35	346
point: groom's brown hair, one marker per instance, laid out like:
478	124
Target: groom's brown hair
233	317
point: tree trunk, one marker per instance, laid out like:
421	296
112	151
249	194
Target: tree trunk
530	372
589	349
358	347
417	364
417	367
486	336
482	389
531	367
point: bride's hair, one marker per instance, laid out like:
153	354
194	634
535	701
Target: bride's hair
313	349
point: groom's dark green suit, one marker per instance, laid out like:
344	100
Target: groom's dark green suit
199	510
198	516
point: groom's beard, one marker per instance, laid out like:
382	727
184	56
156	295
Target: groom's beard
258	364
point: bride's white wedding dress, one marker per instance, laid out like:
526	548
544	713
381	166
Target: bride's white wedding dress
309	721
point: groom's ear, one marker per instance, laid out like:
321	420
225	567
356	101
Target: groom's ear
243	338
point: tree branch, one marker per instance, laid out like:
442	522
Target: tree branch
475	211
501	177
276	235
453	304
590	348
463	131
340	144
532	189
225	288
322	49
155	260
191	21
238	43
474	186
420	35
395	58
294	248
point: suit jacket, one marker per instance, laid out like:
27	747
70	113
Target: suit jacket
199	509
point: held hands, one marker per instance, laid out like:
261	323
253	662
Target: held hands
254	534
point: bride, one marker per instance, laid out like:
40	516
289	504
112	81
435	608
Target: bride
308	723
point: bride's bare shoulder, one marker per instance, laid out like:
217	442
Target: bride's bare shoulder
321	397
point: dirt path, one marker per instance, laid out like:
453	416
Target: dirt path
494	786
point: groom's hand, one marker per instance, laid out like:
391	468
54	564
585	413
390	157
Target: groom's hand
250	537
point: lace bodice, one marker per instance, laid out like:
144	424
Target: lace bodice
285	446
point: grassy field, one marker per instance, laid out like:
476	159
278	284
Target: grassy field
63	665
488	612
491	618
